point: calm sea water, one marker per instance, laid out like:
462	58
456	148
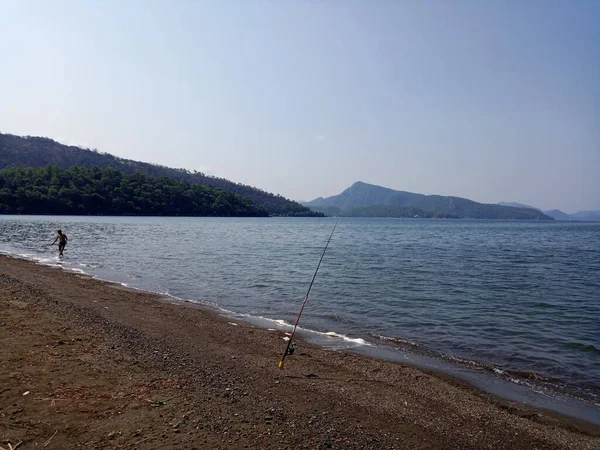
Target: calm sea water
520	300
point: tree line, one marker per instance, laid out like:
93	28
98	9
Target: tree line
83	191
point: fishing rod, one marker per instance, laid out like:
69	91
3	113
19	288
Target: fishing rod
289	349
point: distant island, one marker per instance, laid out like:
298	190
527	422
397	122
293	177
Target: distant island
81	191
556	214
580	216
363	199
36	152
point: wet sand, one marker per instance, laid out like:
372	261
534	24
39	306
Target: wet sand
87	364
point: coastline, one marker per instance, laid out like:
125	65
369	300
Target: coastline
106	366
522	387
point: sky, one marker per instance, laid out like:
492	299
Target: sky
493	101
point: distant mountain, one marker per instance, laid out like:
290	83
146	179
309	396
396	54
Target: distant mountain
361	195
558	215
18	151
582	216
588	216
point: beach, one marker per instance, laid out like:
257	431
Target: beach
90	364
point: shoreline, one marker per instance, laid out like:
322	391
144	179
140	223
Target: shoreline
479	376
476	375
323	398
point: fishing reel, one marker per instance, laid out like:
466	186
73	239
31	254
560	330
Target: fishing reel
291	348
288	351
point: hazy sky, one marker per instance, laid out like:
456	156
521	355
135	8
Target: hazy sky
488	100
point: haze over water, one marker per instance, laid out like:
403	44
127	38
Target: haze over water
519	299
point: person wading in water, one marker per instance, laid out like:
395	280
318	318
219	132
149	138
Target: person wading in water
62	242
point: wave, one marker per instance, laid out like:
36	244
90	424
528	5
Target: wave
531	375
44	261
325	334
55	262
543	384
395	340
333	334
586	348
543	305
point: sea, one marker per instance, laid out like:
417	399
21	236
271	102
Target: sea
512	307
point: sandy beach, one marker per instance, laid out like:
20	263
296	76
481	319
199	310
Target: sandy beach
88	364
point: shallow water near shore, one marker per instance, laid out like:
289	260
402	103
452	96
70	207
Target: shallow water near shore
510	301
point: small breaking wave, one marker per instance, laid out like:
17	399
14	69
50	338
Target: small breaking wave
327	334
44	261
333	334
395	340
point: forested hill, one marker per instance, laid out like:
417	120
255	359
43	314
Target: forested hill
361	195
78	190
18	151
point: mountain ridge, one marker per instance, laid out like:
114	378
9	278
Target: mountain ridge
34	151
361	194
517	205
557	214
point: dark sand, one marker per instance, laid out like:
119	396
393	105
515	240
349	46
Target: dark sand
112	368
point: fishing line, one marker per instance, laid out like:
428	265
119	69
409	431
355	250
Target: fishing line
289	349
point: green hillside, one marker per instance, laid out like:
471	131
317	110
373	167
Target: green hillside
78	190
17	151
